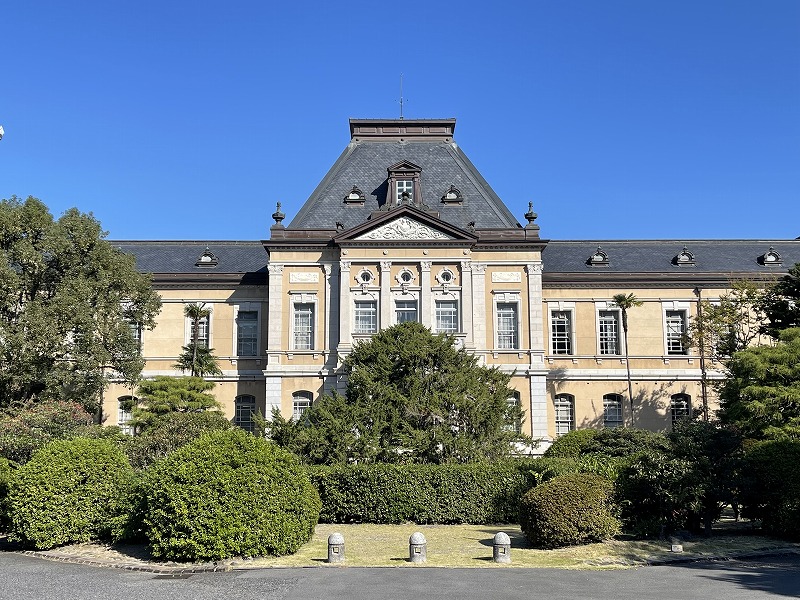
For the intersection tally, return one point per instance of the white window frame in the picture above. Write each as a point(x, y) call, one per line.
point(208, 326)
point(569, 309)
point(124, 416)
point(438, 311)
point(240, 403)
point(613, 417)
point(403, 185)
point(674, 307)
point(298, 299)
point(515, 400)
point(609, 307)
point(364, 299)
point(679, 413)
point(406, 299)
point(301, 402)
point(561, 402)
point(501, 301)
point(248, 307)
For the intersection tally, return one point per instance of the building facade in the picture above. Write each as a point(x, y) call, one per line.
point(404, 228)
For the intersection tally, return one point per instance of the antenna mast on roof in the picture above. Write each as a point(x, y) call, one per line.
point(401, 95)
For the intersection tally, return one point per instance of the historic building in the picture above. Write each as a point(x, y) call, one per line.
point(404, 228)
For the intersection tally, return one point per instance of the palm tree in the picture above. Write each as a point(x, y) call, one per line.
point(196, 311)
point(624, 302)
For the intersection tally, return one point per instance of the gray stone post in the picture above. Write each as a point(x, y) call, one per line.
point(336, 548)
point(501, 548)
point(417, 548)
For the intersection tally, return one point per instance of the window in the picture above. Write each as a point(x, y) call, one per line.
point(301, 402)
point(680, 407)
point(565, 413)
point(244, 409)
point(515, 404)
point(446, 316)
point(608, 331)
point(203, 330)
point(247, 333)
point(136, 332)
point(366, 316)
point(507, 325)
point(304, 326)
point(125, 414)
point(612, 411)
point(561, 331)
point(405, 311)
point(405, 185)
point(676, 330)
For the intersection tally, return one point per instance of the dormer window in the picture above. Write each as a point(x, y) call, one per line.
point(452, 196)
point(206, 259)
point(684, 258)
point(598, 259)
point(771, 258)
point(404, 191)
point(404, 187)
point(355, 196)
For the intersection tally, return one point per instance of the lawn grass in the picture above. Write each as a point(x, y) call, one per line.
point(471, 546)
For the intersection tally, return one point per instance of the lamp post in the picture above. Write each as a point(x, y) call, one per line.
point(699, 293)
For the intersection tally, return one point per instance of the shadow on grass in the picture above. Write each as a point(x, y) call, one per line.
point(518, 539)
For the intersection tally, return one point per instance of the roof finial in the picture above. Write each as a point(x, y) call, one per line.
point(401, 95)
point(278, 215)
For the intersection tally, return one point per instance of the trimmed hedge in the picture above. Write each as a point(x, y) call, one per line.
point(572, 444)
point(71, 491)
point(441, 494)
point(6, 474)
point(228, 494)
point(771, 487)
point(571, 509)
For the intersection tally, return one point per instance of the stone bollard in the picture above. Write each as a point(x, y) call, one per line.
point(335, 548)
point(417, 548)
point(501, 549)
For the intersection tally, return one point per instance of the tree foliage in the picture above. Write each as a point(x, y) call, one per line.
point(761, 395)
point(625, 302)
point(67, 302)
point(196, 357)
point(412, 396)
point(163, 395)
point(781, 304)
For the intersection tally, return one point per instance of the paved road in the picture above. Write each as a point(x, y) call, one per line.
point(29, 578)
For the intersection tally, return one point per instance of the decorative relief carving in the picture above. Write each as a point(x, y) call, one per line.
point(404, 229)
point(534, 267)
point(386, 265)
point(506, 277)
point(328, 270)
point(425, 265)
point(275, 269)
point(344, 265)
point(303, 277)
point(479, 268)
point(465, 265)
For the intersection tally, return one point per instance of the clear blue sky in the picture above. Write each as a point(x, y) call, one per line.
point(617, 118)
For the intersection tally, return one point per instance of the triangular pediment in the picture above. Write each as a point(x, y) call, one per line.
point(405, 224)
point(405, 166)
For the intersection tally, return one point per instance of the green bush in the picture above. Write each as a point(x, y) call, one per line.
point(571, 509)
point(626, 442)
point(170, 432)
point(384, 493)
point(28, 428)
point(771, 488)
point(227, 494)
point(71, 491)
point(572, 444)
point(6, 474)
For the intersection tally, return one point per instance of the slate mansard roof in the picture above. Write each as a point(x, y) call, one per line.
point(375, 146)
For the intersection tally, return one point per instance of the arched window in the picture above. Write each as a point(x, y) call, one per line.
point(565, 413)
point(244, 409)
point(680, 407)
point(301, 402)
point(612, 411)
point(125, 413)
point(514, 403)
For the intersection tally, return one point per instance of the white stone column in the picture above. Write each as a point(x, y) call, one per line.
point(425, 293)
point(466, 303)
point(331, 307)
point(535, 314)
point(485, 310)
point(275, 326)
point(274, 391)
point(345, 327)
point(538, 411)
point(386, 294)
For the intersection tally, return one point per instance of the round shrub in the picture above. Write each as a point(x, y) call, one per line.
point(228, 494)
point(572, 444)
point(170, 432)
point(70, 491)
point(568, 510)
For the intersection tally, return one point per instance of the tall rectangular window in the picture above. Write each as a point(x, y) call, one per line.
point(366, 316)
point(561, 331)
point(245, 408)
point(301, 402)
point(203, 332)
point(676, 330)
point(446, 316)
point(612, 411)
point(247, 333)
point(564, 405)
point(608, 328)
point(124, 415)
point(405, 311)
point(680, 407)
point(507, 324)
point(136, 331)
point(303, 326)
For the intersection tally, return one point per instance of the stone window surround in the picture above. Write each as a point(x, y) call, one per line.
point(566, 307)
point(297, 298)
point(609, 306)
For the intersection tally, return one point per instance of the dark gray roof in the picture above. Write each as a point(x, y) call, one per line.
point(656, 256)
point(181, 257)
point(364, 164)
